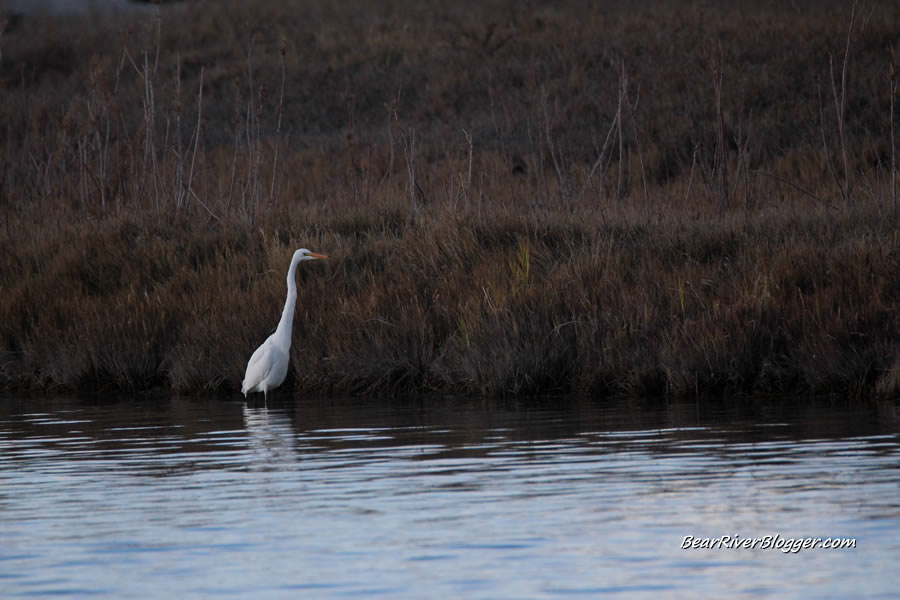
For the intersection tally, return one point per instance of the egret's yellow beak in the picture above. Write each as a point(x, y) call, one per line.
point(316, 255)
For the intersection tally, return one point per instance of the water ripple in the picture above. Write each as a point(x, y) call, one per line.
point(191, 499)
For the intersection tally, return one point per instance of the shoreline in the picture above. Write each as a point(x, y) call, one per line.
point(518, 305)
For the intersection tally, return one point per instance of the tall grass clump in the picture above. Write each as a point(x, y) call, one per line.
point(648, 199)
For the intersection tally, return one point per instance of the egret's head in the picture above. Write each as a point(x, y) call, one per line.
point(304, 254)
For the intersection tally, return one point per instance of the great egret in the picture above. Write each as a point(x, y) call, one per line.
point(269, 363)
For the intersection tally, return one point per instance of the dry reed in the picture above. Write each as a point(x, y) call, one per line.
point(506, 233)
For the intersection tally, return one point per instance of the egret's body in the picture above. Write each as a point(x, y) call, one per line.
point(269, 363)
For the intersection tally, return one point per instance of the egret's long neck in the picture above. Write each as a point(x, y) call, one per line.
point(283, 331)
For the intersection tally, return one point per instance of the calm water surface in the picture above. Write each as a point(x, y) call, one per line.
point(443, 499)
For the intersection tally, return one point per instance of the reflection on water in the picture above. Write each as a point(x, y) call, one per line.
point(323, 498)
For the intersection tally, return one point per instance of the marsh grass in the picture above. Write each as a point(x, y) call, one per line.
point(633, 200)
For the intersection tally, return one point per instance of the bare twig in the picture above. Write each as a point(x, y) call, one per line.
point(158, 19)
point(554, 152)
point(687, 192)
point(721, 148)
point(409, 152)
point(743, 162)
point(623, 85)
point(894, 83)
point(196, 140)
point(180, 189)
point(599, 161)
point(282, 51)
point(467, 184)
point(632, 109)
point(4, 23)
point(796, 187)
point(828, 161)
point(253, 184)
point(840, 107)
point(236, 122)
point(149, 132)
point(209, 211)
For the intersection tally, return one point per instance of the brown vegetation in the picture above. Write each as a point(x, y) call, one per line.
point(516, 198)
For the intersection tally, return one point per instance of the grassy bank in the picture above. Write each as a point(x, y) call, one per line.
point(619, 199)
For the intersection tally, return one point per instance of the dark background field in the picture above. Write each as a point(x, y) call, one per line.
point(596, 197)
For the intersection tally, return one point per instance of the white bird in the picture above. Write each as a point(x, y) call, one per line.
point(269, 364)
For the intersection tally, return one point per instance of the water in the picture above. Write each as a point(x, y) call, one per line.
point(443, 499)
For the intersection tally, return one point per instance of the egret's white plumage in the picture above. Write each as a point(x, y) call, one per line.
point(269, 364)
